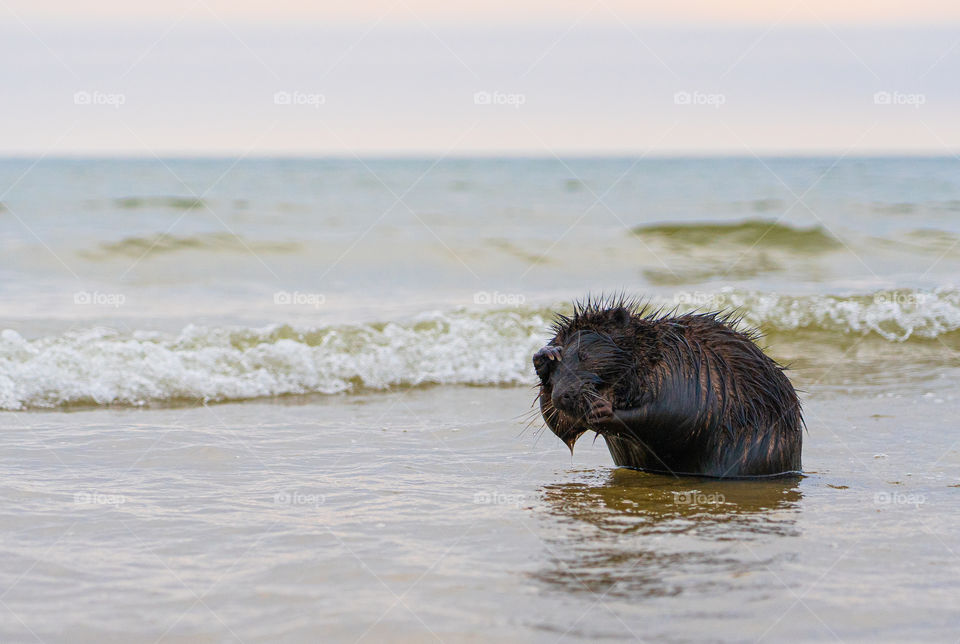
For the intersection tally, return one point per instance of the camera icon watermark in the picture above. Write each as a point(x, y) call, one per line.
point(96, 298)
point(496, 298)
point(899, 98)
point(499, 98)
point(899, 498)
point(494, 497)
point(298, 498)
point(693, 497)
point(714, 100)
point(98, 498)
point(296, 298)
point(700, 299)
point(901, 299)
point(311, 99)
point(95, 97)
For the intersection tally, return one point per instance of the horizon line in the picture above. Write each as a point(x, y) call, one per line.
point(480, 155)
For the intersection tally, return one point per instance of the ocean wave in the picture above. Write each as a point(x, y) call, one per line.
point(176, 203)
point(105, 367)
point(892, 315)
point(752, 233)
point(162, 244)
point(910, 208)
point(101, 366)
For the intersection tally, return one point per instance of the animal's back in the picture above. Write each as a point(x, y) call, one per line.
point(733, 408)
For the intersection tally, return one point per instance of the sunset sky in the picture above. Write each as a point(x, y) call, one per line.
point(423, 77)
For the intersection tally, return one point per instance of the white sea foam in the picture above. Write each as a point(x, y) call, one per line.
point(896, 315)
point(102, 366)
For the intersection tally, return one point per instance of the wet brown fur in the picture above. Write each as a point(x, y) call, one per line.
point(706, 399)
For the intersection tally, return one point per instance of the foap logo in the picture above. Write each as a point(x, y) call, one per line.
point(499, 98)
point(901, 299)
point(699, 98)
point(693, 497)
point(899, 498)
point(110, 99)
point(496, 298)
point(494, 497)
point(296, 298)
point(899, 98)
point(98, 498)
point(298, 498)
point(700, 299)
point(96, 298)
point(310, 99)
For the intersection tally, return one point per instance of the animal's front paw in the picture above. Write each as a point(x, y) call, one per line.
point(599, 412)
point(548, 352)
point(543, 358)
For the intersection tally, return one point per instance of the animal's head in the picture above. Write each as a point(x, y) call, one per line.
point(588, 363)
point(595, 359)
point(584, 368)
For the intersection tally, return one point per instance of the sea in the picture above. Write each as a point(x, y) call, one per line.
point(291, 400)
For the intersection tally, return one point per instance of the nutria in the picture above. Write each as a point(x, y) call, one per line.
point(678, 394)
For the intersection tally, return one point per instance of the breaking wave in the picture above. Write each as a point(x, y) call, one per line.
point(105, 367)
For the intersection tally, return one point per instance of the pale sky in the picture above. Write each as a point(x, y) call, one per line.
point(930, 12)
point(420, 77)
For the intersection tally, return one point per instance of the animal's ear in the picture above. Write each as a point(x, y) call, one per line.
point(621, 315)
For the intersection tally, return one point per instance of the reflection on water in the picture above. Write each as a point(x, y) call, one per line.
point(628, 533)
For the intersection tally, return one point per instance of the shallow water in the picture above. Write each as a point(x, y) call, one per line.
point(382, 517)
point(276, 402)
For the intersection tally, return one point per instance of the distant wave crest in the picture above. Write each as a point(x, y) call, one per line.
point(165, 243)
point(757, 233)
